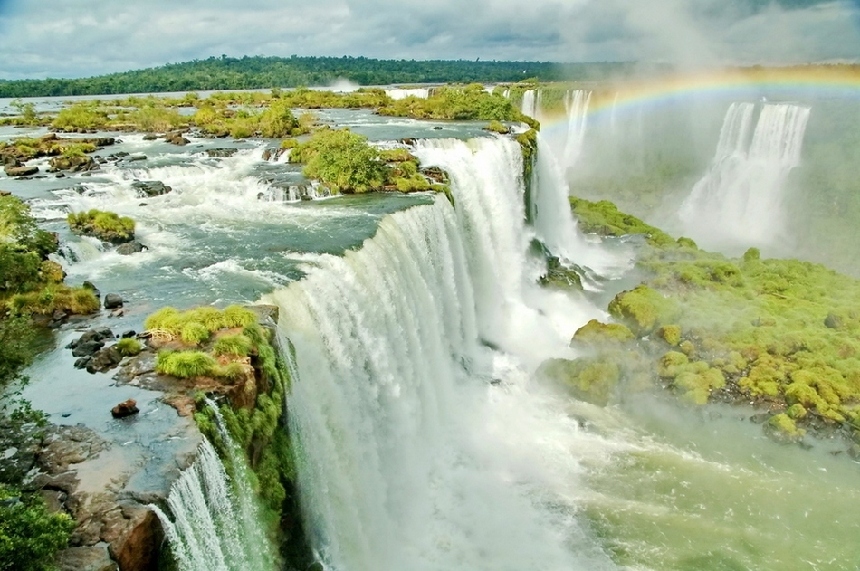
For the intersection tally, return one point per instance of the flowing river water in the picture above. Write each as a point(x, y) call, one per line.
point(423, 440)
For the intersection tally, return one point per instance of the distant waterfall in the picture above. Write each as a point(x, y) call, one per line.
point(739, 201)
point(216, 526)
point(419, 92)
point(530, 106)
point(403, 462)
point(576, 104)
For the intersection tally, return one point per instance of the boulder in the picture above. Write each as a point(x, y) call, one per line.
point(150, 188)
point(87, 348)
point(95, 334)
point(138, 546)
point(128, 334)
point(105, 360)
point(20, 171)
point(176, 138)
point(74, 164)
point(113, 301)
point(833, 321)
point(221, 152)
point(125, 409)
point(150, 137)
point(129, 248)
point(90, 286)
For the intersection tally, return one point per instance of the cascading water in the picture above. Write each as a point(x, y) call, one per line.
point(576, 104)
point(409, 456)
point(216, 526)
point(739, 201)
point(397, 94)
point(530, 105)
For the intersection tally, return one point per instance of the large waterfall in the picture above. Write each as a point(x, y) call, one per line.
point(739, 201)
point(216, 524)
point(576, 105)
point(421, 445)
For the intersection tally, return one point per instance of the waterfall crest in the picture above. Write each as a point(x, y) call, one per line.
point(404, 458)
point(739, 200)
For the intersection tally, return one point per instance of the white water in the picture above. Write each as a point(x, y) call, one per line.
point(215, 526)
point(576, 104)
point(739, 201)
point(397, 94)
point(409, 458)
point(530, 104)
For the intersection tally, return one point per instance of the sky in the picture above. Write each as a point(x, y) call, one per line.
point(81, 38)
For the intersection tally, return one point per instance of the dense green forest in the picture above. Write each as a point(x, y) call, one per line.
point(268, 72)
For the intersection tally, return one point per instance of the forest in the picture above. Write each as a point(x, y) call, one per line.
point(266, 72)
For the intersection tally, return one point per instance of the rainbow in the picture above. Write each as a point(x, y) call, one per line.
point(794, 83)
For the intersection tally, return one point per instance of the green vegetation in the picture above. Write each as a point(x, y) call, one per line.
point(778, 333)
point(185, 364)
point(232, 345)
point(456, 102)
point(173, 322)
point(273, 72)
point(129, 347)
point(30, 536)
point(341, 160)
point(52, 298)
point(106, 226)
point(81, 117)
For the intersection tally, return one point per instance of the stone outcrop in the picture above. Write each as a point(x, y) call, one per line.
point(150, 188)
point(130, 248)
point(15, 171)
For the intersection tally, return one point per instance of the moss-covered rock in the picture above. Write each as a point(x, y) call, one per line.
point(589, 380)
point(106, 226)
point(597, 333)
point(643, 308)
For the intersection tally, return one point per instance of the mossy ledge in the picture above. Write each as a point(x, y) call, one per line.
point(232, 358)
point(781, 335)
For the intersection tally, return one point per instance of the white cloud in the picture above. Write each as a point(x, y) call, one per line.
point(88, 37)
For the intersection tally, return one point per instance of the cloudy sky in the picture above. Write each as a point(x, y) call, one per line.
point(76, 38)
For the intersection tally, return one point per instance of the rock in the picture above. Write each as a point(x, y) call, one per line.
point(59, 315)
point(138, 546)
point(117, 156)
point(408, 141)
point(87, 348)
point(833, 321)
point(117, 313)
point(95, 334)
point(150, 188)
point(135, 158)
point(82, 362)
point(128, 334)
point(150, 137)
point(222, 152)
point(124, 409)
point(113, 301)
point(105, 360)
point(53, 500)
point(267, 154)
point(89, 285)
point(176, 138)
point(265, 312)
point(94, 558)
point(130, 248)
point(760, 418)
point(74, 164)
point(5, 193)
point(20, 171)
point(19, 446)
point(435, 174)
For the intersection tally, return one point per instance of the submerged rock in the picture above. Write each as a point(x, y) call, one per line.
point(14, 171)
point(125, 409)
point(221, 152)
point(130, 248)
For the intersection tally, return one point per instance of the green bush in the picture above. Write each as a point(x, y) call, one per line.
point(84, 116)
point(341, 160)
point(106, 226)
point(185, 364)
point(232, 345)
point(30, 536)
point(194, 333)
point(77, 301)
point(129, 347)
point(238, 316)
point(17, 335)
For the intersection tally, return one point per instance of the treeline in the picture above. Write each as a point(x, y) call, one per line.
point(268, 72)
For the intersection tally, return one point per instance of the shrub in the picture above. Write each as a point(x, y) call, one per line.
point(497, 127)
point(106, 226)
point(232, 345)
point(16, 346)
point(78, 301)
point(30, 536)
point(129, 347)
point(342, 160)
point(80, 117)
point(238, 316)
point(232, 371)
point(194, 333)
point(185, 364)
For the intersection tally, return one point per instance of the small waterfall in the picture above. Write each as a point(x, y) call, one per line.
point(397, 94)
point(216, 526)
point(613, 115)
point(530, 103)
point(739, 201)
point(407, 456)
point(576, 104)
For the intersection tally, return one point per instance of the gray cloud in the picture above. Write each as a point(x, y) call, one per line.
point(69, 38)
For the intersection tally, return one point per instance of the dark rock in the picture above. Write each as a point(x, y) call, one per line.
point(408, 141)
point(82, 362)
point(87, 348)
point(760, 418)
point(59, 315)
point(135, 158)
point(150, 137)
point(150, 188)
point(222, 152)
point(124, 409)
point(130, 248)
point(105, 360)
point(119, 155)
point(265, 312)
point(59, 175)
point(74, 164)
point(5, 193)
point(267, 154)
point(89, 285)
point(435, 174)
point(53, 500)
point(176, 139)
point(139, 542)
point(113, 301)
point(21, 171)
point(128, 334)
point(833, 321)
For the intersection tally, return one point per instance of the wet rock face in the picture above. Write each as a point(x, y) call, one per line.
point(125, 409)
point(221, 152)
point(146, 188)
point(14, 171)
point(18, 449)
point(130, 248)
point(113, 301)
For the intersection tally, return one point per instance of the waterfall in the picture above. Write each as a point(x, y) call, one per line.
point(530, 103)
point(396, 94)
point(739, 201)
point(216, 526)
point(576, 104)
point(409, 454)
